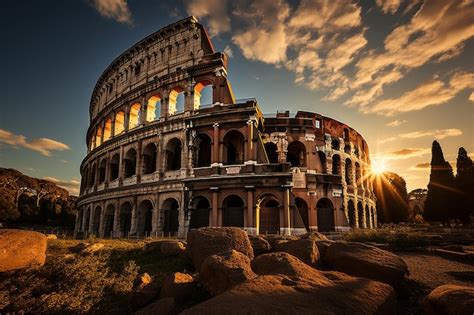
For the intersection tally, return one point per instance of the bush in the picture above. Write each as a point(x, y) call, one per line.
point(399, 238)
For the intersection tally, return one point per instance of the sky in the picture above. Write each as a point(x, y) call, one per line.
point(399, 71)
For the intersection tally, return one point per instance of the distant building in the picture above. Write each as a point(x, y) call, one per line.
point(160, 162)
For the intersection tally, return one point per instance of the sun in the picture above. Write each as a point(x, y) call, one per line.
point(378, 166)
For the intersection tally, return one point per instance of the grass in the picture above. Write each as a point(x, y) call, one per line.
point(71, 283)
point(399, 238)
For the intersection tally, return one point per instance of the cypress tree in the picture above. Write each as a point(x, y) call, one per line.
point(465, 186)
point(439, 204)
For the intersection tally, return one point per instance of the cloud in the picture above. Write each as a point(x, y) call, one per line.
point(388, 6)
point(421, 167)
point(471, 97)
point(228, 51)
point(396, 123)
point(214, 12)
point(437, 134)
point(41, 145)
point(403, 154)
point(71, 185)
point(114, 9)
point(430, 93)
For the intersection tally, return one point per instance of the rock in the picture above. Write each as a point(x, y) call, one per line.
point(143, 295)
point(272, 240)
point(454, 248)
point(205, 242)
point(171, 248)
point(318, 294)
point(223, 271)
point(450, 300)
point(303, 249)
point(162, 307)
point(281, 263)
point(21, 249)
point(142, 280)
point(51, 237)
point(260, 245)
point(90, 249)
point(178, 286)
point(322, 247)
point(79, 247)
point(363, 260)
point(315, 236)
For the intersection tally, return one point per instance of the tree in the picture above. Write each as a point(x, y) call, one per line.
point(392, 198)
point(465, 187)
point(439, 205)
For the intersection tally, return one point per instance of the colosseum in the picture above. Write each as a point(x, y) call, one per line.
point(161, 160)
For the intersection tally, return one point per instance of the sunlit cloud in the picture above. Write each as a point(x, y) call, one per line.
point(396, 123)
point(402, 154)
point(71, 185)
point(471, 97)
point(389, 6)
point(213, 12)
point(436, 134)
point(114, 9)
point(41, 145)
point(421, 167)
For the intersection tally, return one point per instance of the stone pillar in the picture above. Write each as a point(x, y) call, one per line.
point(78, 224)
point(250, 222)
point(286, 230)
point(102, 220)
point(126, 119)
point(215, 144)
point(312, 214)
point(249, 156)
point(164, 107)
point(116, 230)
point(215, 207)
point(91, 220)
point(134, 223)
point(182, 230)
point(138, 166)
point(84, 220)
point(112, 126)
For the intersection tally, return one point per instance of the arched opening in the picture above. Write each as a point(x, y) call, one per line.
point(347, 149)
point(109, 220)
point(325, 215)
point(125, 218)
point(335, 144)
point(102, 168)
point(234, 142)
point(149, 159)
point(360, 214)
point(300, 218)
point(296, 155)
point(322, 160)
point(200, 213)
point(203, 93)
point(144, 219)
point(176, 101)
point(170, 216)
point(358, 174)
point(87, 217)
point(92, 175)
point(351, 213)
point(173, 155)
point(130, 163)
point(204, 149)
point(346, 134)
point(272, 154)
point(233, 211)
point(367, 217)
point(153, 108)
point(336, 164)
point(79, 215)
point(96, 222)
point(114, 166)
point(98, 136)
point(348, 172)
point(134, 118)
point(108, 129)
point(270, 216)
point(119, 123)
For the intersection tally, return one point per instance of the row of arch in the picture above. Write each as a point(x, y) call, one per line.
point(360, 217)
point(138, 114)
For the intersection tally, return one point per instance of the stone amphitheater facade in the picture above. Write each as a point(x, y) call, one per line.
point(161, 163)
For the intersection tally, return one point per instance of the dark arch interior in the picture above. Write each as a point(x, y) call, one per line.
point(322, 159)
point(234, 147)
point(200, 213)
point(145, 215)
point(296, 155)
point(271, 149)
point(270, 216)
point(233, 208)
point(360, 213)
point(109, 220)
point(173, 155)
point(125, 218)
point(325, 215)
point(102, 169)
point(204, 148)
point(130, 163)
point(114, 166)
point(336, 165)
point(335, 145)
point(96, 223)
point(149, 159)
point(300, 217)
point(171, 216)
point(351, 213)
point(348, 172)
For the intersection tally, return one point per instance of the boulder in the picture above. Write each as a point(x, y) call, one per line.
point(260, 245)
point(303, 249)
point(322, 247)
point(315, 236)
point(143, 295)
point(90, 249)
point(281, 263)
point(363, 260)
point(142, 280)
point(162, 306)
point(179, 286)
point(205, 242)
point(450, 300)
point(272, 240)
point(171, 248)
point(223, 271)
point(21, 249)
point(316, 294)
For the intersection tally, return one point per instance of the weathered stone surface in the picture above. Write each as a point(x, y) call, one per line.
point(205, 242)
point(21, 249)
point(172, 248)
point(260, 245)
point(272, 240)
point(363, 260)
point(280, 263)
point(90, 249)
point(303, 249)
point(315, 236)
point(450, 300)
point(322, 247)
point(143, 295)
point(162, 307)
point(142, 280)
point(320, 293)
point(178, 286)
point(223, 271)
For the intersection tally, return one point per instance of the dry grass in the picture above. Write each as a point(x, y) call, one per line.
point(399, 238)
point(71, 283)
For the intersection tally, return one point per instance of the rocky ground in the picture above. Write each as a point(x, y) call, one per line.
point(222, 270)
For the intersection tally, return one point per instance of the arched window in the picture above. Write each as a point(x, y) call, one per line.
point(325, 215)
point(296, 155)
point(171, 216)
point(114, 166)
point(109, 220)
point(322, 160)
point(347, 148)
point(234, 147)
point(153, 108)
point(336, 164)
point(346, 134)
point(98, 137)
point(92, 175)
point(270, 216)
point(361, 215)
point(358, 174)
point(300, 217)
point(348, 172)
point(102, 168)
point(351, 212)
point(203, 93)
point(134, 120)
point(204, 149)
point(149, 159)
point(335, 145)
point(130, 163)
point(108, 129)
point(272, 154)
point(200, 213)
point(96, 220)
point(233, 208)
point(176, 101)
point(173, 154)
point(125, 217)
point(145, 215)
point(119, 123)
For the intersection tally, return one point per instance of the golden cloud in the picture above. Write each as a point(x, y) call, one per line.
point(71, 185)
point(41, 145)
point(114, 9)
point(437, 134)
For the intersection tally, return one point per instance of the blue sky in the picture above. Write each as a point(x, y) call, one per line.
point(400, 72)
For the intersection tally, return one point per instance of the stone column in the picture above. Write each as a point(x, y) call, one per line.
point(250, 222)
point(116, 230)
point(84, 219)
point(286, 230)
point(249, 156)
point(134, 223)
point(164, 107)
point(215, 207)
point(102, 220)
point(215, 144)
point(91, 219)
point(138, 166)
point(112, 126)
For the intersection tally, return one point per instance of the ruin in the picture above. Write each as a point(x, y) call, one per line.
point(161, 160)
